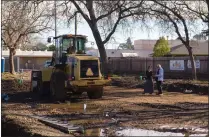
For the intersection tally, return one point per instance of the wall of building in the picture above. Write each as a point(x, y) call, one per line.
point(32, 62)
point(37, 59)
point(35, 62)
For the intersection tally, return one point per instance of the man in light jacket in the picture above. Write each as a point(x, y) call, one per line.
point(159, 78)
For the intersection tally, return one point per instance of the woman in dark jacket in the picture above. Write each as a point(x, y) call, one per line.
point(149, 86)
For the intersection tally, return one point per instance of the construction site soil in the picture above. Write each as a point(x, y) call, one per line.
point(124, 103)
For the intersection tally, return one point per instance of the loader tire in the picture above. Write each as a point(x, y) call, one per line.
point(95, 93)
point(57, 86)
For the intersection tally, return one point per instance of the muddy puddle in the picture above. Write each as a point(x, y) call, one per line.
point(102, 125)
point(74, 107)
point(95, 122)
point(143, 132)
point(134, 132)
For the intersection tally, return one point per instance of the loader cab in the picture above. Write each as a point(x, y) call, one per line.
point(68, 44)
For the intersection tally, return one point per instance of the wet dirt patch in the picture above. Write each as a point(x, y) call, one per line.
point(127, 110)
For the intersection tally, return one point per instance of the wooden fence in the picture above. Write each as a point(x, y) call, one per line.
point(139, 65)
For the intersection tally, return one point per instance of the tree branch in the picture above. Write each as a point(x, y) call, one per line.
point(80, 10)
point(113, 30)
point(109, 12)
point(120, 17)
point(200, 14)
point(89, 6)
point(174, 24)
point(177, 15)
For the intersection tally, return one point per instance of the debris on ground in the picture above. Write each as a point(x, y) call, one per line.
point(128, 82)
point(64, 126)
point(120, 107)
point(123, 105)
point(15, 82)
point(184, 86)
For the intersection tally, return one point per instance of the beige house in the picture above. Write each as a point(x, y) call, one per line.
point(146, 44)
point(198, 48)
point(27, 59)
point(112, 53)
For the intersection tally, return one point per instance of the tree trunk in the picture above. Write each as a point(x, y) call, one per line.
point(101, 47)
point(194, 74)
point(104, 60)
point(11, 60)
point(92, 21)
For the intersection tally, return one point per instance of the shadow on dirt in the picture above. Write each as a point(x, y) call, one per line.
point(10, 128)
point(23, 97)
point(32, 97)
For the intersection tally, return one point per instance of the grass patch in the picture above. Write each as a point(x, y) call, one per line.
point(9, 76)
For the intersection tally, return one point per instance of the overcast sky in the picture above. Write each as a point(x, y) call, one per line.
point(120, 36)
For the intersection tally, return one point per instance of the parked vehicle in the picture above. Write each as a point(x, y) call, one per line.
point(72, 71)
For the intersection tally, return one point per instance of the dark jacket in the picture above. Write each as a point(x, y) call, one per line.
point(149, 75)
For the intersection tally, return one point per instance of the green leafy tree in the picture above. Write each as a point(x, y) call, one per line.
point(161, 47)
point(51, 48)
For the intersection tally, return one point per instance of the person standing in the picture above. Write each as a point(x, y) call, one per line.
point(149, 86)
point(159, 78)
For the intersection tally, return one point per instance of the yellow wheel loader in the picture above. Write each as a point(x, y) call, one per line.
point(71, 70)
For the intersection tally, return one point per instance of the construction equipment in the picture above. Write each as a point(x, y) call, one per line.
point(71, 70)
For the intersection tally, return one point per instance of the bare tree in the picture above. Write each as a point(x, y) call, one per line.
point(199, 8)
point(20, 19)
point(173, 15)
point(128, 45)
point(104, 17)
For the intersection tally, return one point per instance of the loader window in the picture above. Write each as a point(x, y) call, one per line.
point(80, 46)
point(67, 43)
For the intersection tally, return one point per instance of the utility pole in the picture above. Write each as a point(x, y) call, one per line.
point(55, 30)
point(75, 44)
point(55, 19)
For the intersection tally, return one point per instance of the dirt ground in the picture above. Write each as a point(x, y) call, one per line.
point(140, 111)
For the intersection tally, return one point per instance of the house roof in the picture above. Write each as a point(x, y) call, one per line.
point(119, 52)
point(149, 44)
point(199, 48)
point(20, 53)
